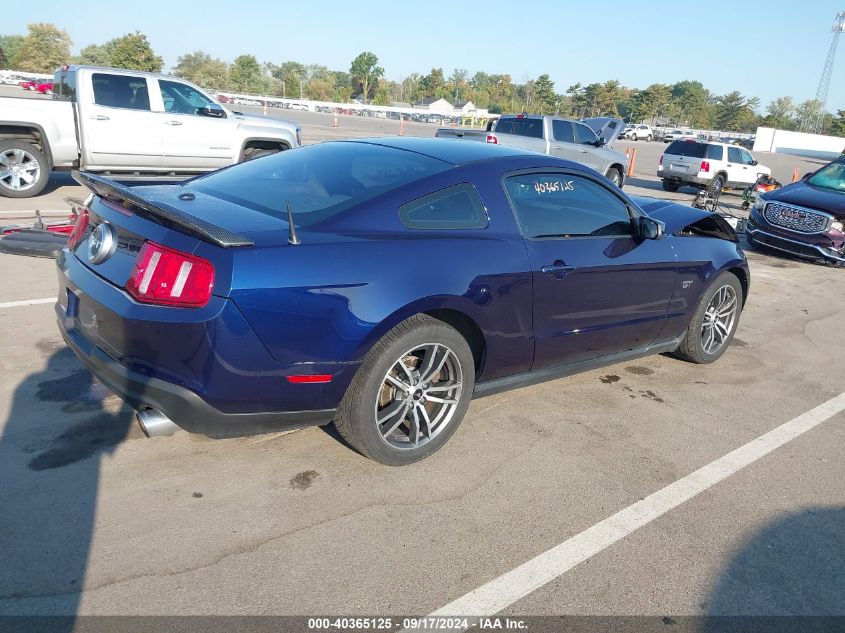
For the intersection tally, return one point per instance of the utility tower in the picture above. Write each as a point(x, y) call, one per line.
point(814, 124)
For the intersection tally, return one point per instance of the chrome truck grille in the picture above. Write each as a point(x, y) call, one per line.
point(796, 218)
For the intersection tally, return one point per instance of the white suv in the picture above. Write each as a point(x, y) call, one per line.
point(640, 132)
point(708, 165)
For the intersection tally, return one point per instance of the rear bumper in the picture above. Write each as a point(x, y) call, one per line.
point(181, 405)
point(679, 176)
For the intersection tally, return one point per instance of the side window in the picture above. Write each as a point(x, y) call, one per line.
point(121, 91)
point(456, 207)
point(562, 205)
point(747, 158)
point(714, 152)
point(734, 155)
point(181, 98)
point(562, 131)
point(584, 135)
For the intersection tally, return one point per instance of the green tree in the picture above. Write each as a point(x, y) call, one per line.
point(366, 71)
point(734, 110)
point(133, 51)
point(837, 124)
point(10, 45)
point(203, 70)
point(432, 84)
point(44, 49)
point(544, 91)
point(245, 75)
point(781, 113)
point(292, 76)
point(690, 100)
point(97, 54)
point(807, 112)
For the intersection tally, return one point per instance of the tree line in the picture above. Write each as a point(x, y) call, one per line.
point(46, 47)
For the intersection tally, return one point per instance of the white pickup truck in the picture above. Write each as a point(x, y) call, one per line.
point(126, 124)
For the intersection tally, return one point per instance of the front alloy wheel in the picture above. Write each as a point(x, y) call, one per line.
point(719, 318)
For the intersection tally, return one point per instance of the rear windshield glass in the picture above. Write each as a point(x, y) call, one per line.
point(522, 127)
point(685, 148)
point(319, 181)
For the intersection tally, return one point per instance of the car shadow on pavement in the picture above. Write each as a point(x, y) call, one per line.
point(792, 567)
point(57, 432)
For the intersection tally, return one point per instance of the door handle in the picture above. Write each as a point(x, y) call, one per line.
point(555, 146)
point(99, 117)
point(173, 123)
point(558, 269)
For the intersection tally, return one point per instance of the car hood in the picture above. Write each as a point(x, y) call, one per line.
point(805, 195)
point(606, 128)
point(679, 218)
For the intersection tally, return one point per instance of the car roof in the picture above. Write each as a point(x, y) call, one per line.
point(453, 151)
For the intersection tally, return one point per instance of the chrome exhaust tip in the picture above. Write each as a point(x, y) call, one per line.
point(154, 423)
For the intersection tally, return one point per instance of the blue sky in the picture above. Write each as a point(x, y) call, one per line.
point(765, 49)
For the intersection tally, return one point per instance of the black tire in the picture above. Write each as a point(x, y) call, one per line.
point(649, 138)
point(670, 185)
point(34, 158)
point(356, 416)
point(716, 185)
point(692, 347)
point(614, 175)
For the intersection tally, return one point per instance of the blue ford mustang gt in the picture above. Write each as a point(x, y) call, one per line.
point(380, 285)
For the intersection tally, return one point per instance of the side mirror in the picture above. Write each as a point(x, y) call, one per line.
point(213, 109)
point(651, 229)
point(753, 162)
point(600, 142)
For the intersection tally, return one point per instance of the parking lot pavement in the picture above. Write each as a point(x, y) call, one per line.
point(99, 520)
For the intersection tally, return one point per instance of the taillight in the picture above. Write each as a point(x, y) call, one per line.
point(705, 166)
point(491, 138)
point(165, 276)
point(78, 231)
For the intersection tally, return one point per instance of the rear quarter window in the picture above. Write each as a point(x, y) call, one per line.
point(456, 207)
point(715, 152)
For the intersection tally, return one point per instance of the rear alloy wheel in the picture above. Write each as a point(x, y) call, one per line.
point(24, 170)
point(615, 176)
point(716, 185)
point(715, 320)
point(410, 393)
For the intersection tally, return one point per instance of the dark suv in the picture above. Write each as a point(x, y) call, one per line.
point(805, 218)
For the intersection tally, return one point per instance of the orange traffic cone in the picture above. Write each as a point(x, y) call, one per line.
point(334, 121)
point(795, 174)
point(633, 162)
point(401, 126)
point(628, 153)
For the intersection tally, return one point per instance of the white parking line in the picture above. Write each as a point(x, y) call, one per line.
point(26, 302)
point(505, 590)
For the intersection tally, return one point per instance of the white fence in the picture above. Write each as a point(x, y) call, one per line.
point(798, 143)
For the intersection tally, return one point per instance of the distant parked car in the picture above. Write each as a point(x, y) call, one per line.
point(675, 135)
point(805, 218)
point(45, 88)
point(625, 131)
point(640, 132)
point(28, 85)
point(708, 165)
point(298, 106)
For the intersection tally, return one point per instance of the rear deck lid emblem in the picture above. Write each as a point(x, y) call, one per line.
point(102, 243)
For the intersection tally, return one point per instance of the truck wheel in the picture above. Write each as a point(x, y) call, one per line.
point(670, 185)
point(410, 393)
point(24, 170)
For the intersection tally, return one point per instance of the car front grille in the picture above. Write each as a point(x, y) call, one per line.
point(795, 218)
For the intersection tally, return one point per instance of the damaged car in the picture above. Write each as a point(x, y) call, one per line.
point(804, 219)
point(381, 285)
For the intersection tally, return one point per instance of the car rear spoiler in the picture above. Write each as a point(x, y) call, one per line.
point(160, 212)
